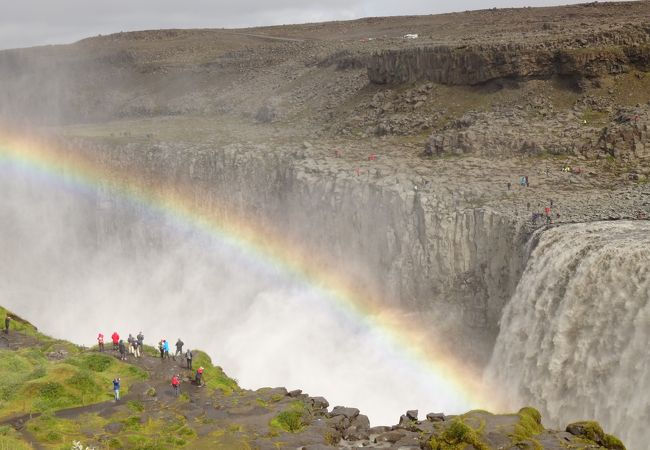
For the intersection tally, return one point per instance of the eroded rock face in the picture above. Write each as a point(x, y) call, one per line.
point(418, 250)
point(511, 133)
point(601, 54)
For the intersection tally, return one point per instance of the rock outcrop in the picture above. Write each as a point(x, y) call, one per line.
point(477, 64)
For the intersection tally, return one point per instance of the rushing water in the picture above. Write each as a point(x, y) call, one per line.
point(574, 338)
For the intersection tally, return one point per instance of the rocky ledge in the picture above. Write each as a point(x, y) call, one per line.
point(57, 397)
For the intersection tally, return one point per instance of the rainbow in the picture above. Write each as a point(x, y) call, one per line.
point(36, 156)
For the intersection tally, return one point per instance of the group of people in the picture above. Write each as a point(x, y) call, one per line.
point(134, 346)
point(163, 348)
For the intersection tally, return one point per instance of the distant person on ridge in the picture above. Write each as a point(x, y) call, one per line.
point(161, 348)
point(131, 341)
point(7, 322)
point(188, 357)
point(199, 377)
point(179, 348)
point(116, 388)
point(122, 348)
point(140, 339)
point(100, 342)
point(116, 340)
point(166, 347)
point(176, 383)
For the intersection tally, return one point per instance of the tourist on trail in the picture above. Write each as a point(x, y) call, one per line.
point(179, 348)
point(122, 348)
point(188, 357)
point(166, 347)
point(100, 342)
point(116, 388)
point(131, 341)
point(176, 384)
point(199, 377)
point(116, 340)
point(140, 342)
point(7, 322)
point(161, 348)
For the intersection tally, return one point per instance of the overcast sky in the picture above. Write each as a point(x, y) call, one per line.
point(25, 23)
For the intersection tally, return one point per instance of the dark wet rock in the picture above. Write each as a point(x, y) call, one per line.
point(295, 393)
point(378, 430)
point(390, 436)
point(436, 417)
point(319, 403)
point(344, 411)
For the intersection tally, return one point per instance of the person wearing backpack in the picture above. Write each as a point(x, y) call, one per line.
point(140, 339)
point(176, 384)
point(116, 340)
point(199, 377)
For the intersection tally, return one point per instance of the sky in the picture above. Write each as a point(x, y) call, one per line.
point(26, 23)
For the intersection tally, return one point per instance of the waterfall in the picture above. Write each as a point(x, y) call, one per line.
point(574, 339)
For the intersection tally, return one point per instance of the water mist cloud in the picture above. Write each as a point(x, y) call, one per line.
point(79, 262)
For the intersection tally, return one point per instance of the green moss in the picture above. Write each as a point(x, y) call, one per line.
point(291, 420)
point(456, 437)
point(528, 426)
point(213, 376)
point(589, 430)
point(135, 406)
point(10, 439)
point(613, 443)
point(97, 362)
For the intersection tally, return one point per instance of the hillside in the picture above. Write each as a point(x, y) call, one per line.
point(55, 394)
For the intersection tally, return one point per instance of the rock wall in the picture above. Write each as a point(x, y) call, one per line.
point(477, 64)
point(426, 252)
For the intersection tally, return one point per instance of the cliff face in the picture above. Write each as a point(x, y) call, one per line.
point(420, 249)
point(476, 64)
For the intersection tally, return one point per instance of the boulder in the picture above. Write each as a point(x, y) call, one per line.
point(348, 413)
point(319, 403)
point(390, 436)
point(436, 417)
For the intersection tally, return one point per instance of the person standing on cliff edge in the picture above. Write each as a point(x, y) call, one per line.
point(7, 322)
point(100, 342)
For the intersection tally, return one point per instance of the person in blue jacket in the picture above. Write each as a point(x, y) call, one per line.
point(116, 388)
point(166, 347)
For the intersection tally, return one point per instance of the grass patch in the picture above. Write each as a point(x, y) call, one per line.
point(11, 440)
point(29, 382)
point(593, 117)
point(613, 443)
point(213, 376)
point(292, 420)
point(456, 437)
point(529, 425)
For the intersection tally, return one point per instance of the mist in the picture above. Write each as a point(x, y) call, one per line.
point(77, 262)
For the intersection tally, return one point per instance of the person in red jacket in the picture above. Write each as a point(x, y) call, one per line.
point(199, 377)
point(176, 384)
point(116, 340)
point(100, 341)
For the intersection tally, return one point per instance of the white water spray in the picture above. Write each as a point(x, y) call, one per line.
point(574, 338)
